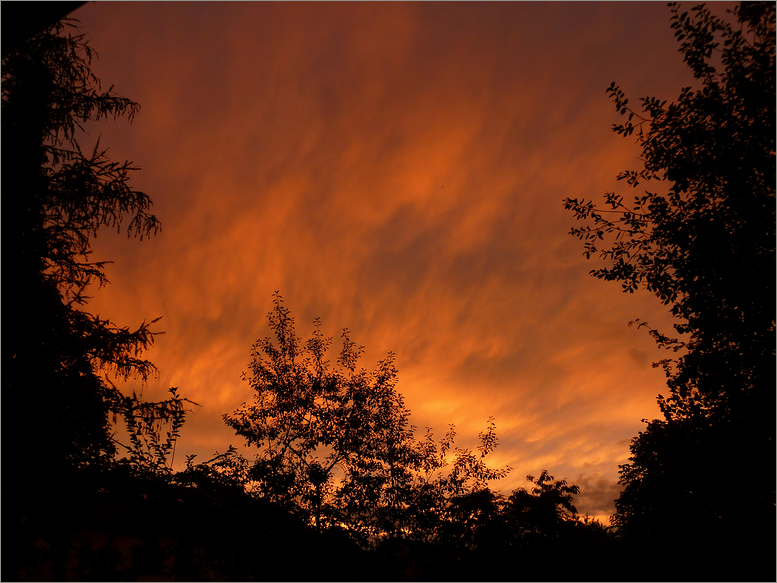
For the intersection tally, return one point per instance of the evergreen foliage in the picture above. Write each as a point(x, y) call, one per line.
point(57, 357)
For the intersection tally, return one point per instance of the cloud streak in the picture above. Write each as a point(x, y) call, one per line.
point(397, 169)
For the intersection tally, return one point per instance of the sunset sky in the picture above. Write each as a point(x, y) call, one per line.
point(397, 169)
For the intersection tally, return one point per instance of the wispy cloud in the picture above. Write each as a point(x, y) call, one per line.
point(397, 169)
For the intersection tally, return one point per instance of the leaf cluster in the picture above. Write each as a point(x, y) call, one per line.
point(50, 96)
point(335, 445)
point(701, 239)
point(58, 197)
point(154, 429)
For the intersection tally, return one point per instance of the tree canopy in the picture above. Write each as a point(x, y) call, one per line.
point(334, 447)
point(701, 238)
point(308, 419)
point(58, 359)
point(334, 442)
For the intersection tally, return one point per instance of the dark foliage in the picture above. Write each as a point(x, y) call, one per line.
point(126, 527)
point(309, 420)
point(702, 239)
point(58, 359)
point(532, 535)
point(422, 509)
point(334, 443)
point(57, 356)
point(22, 20)
point(121, 526)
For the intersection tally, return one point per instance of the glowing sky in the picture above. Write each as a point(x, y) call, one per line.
point(398, 169)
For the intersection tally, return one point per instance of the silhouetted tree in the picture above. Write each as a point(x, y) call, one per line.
point(544, 508)
point(702, 239)
point(441, 492)
point(308, 420)
point(533, 534)
point(334, 442)
point(468, 518)
point(58, 360)
point(56, 391)
point(22, 20)
point(538, 533)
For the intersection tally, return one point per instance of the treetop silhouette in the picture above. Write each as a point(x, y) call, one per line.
point(334, 441)
point(701, 238)
point(58, 361)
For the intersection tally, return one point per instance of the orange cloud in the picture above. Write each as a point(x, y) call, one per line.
point(397, 169)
